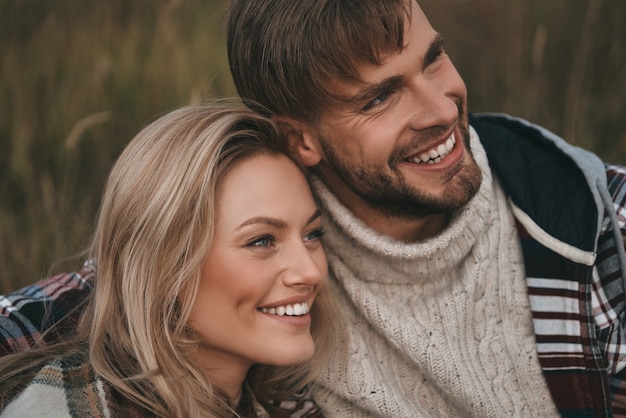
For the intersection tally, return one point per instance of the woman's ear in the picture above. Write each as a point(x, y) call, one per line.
point(302, 144)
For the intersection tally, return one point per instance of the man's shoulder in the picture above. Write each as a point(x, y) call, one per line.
point(27, 313)
point(501, 129)
point(555, 184)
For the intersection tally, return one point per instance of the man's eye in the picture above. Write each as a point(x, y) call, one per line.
point(434, 56)
point(380, 99)
point(264, 241)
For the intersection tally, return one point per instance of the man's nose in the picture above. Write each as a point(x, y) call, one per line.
point(432, 103)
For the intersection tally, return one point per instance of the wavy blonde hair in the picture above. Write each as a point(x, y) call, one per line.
point(155, 227)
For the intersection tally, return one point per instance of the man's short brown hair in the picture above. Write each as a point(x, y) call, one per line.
point(284, 54)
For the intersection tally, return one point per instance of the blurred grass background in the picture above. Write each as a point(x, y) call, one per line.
point(79, 79)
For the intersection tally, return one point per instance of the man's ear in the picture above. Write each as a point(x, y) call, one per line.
point(302, 143)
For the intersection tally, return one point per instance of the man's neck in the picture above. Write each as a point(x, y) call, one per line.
point(395, 227)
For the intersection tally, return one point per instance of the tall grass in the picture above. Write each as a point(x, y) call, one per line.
point(559, 63)
point(79, 79)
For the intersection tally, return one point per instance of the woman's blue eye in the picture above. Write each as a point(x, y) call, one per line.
point(264, 241)
point(314, 235)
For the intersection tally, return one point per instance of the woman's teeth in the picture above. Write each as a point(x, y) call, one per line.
point(436, 154)
point(296, 309)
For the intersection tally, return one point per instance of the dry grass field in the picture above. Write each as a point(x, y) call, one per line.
point(79, 79)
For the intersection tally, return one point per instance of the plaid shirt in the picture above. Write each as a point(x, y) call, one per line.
point(573, 246)
point(576, 291)
point(579, 324)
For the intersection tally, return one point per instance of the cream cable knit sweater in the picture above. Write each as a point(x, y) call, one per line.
point(439, 328)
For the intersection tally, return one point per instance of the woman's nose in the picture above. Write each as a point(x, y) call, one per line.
point(307, 267)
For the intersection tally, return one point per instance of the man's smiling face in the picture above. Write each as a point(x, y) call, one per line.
point(398, 144)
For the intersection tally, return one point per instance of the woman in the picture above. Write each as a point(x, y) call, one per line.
point(208, 262)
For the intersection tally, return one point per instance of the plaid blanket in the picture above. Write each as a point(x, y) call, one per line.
point(26, 313)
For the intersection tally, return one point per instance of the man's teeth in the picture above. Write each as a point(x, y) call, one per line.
point(436, 154)
point(296, 309)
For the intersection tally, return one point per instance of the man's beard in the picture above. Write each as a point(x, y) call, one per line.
point(392, 196)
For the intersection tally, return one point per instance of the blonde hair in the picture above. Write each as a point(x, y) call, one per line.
point(155, 227)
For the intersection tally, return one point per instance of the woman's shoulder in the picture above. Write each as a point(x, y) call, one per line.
point(63, 387)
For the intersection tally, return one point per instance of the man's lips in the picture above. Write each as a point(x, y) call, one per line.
point(435, 154)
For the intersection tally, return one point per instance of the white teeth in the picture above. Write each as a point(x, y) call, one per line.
point(450, 144)
point(437, 154)
point(297, 309)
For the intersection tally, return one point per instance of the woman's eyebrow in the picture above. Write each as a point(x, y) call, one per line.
point(315, 215)
point(277, 223)
point(262, 220)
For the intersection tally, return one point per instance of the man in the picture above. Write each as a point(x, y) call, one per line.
point(479, 268)
point(477, 260)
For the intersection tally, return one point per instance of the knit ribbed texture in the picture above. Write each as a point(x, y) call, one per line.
point(439, 328)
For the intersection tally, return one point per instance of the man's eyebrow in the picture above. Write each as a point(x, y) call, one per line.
point(435, 48)
point(371, 91)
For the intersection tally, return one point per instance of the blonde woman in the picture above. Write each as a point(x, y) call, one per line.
point(208, 297)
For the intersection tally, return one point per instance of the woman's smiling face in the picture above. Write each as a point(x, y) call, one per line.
point(263, 271)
